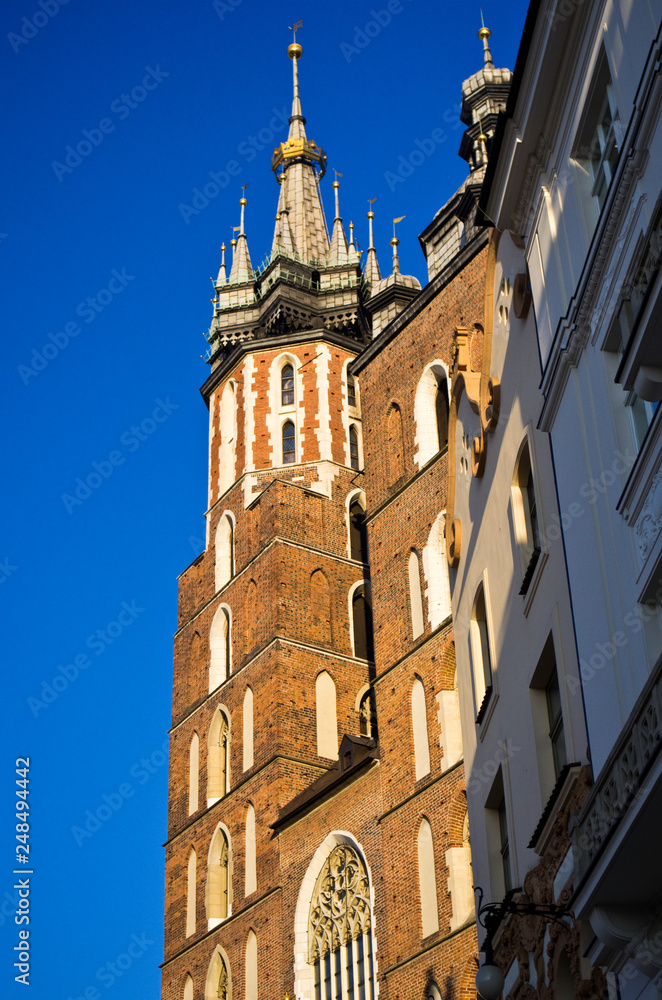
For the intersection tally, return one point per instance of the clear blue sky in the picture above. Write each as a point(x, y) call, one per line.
point(88, 584)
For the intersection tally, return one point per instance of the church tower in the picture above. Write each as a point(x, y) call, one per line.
point(317, 844)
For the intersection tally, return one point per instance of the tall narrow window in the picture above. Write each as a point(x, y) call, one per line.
point(219, 982)
point(431, 404)
point(251, 967)
point(218, 757)
point(325, 711)
point(362, 625)
point(525, 516)
point(460, 879)
point(228, 429)
point(289, 443)
point(193, 773)
point(188, 988)
point(367, 718)
point(504, 846)
point(218, 879)
point(340, 929)
point(415, 596)
point(320, 608)
point(191, 893)
point(358, 537)
point(480, 654)
point(248, 729)
point(427, 881)
point(353, 447)
point(287, 385)
point(224, 544)
point(219, 648)
point(351, 391)
point(396, 449)
point(556, 733)
point(598, 141)
point(419, 725)
point(251, 863)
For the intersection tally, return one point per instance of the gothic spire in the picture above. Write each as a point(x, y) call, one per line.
point(222, 276)
point(299, 163)
point(372, 272)
point(242, 269)
point(338, 253)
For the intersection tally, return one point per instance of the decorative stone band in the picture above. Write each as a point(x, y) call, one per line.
point(622, 780)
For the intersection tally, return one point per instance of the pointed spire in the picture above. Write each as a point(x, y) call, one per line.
point(242, 269)
point(372, 272)
point(283, 235)
point(299, 163)
point(338, 252)
point(484, 34)
point(222, 276)
point(395, 242)
point(352, 249)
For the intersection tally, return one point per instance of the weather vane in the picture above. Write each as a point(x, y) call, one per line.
point(395, 221)
point(294, 28)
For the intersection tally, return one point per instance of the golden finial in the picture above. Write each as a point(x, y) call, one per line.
point(233, 243)
point(294, 50)
point(484, 34)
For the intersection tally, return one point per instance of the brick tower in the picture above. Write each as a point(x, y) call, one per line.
point(298, 861)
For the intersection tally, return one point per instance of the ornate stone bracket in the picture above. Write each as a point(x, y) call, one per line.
point(483, 393)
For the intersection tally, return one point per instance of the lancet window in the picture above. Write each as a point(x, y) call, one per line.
point(339, 929)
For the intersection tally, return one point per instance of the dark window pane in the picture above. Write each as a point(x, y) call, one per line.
point(287, 386)
point(351, 390)
point(289, 449)
point(353, 448)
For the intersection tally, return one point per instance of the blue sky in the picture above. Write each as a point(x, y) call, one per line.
point(106, 259)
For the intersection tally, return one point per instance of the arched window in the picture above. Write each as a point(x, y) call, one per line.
point(367, 719)
point(219, 896)
point(525, 515)
point(396, 447)
point(224, 550)
point(287, 385)
point(358, 536)
point(250, 991)
point(481, 656)
point(251, 615)
point(219, 647)
point(289, 443)
point(193, 773)
point(431, 404)
point(320, 608)
point(415, 596)
point(219, 981)
point(325, 712)
point(427, 881)
point(218, 758)
point(247, 722)
point(362, 625)
point(353, 447)
point(191, 893)
point(250, 881)
point(188, 988)
point(460, 878)
point(351, 390)
point(340, 928)
point(419, 725)
point(435, 569)
point(228, 421)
